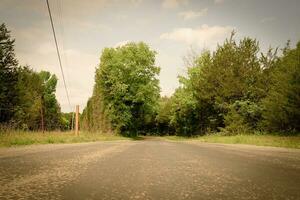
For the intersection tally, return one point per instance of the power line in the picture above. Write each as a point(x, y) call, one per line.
point(63, 39)
point(60, 20)
point(58, 54)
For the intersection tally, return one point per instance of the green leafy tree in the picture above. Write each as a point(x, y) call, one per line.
point(163, 117)
point(66, 121)
point(222, 86)
point(185, 113)
point(195, 84)
point(127, 88)
point(282, 104)
point(37, 102)
point(8, 75)
point(50, 108)
point(93, 116)
point(244, 116)
point(28, 109)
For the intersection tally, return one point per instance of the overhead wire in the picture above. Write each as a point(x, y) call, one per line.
point(59, 5)
point(64, 54)
point(59, 55)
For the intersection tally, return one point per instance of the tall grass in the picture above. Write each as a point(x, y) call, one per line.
point(259, 140)
point(14, 138)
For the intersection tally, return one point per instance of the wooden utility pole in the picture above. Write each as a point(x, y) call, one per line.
point(77, 120)
point(42, 114)
point(42, 119)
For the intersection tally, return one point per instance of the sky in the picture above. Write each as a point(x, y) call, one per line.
point(170, 27)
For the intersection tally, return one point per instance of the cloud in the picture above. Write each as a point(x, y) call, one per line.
point(187, 15)
point(204, 36)
point(72, 10)
point(267, 19)
point(84, 9)
point(120, 17)
point(173, 3)
point(143, 21)
point(136, 2)
point(219, 1)
point(86, 26)
point(27, 40)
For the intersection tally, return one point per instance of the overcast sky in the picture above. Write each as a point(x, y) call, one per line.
point(170, 27)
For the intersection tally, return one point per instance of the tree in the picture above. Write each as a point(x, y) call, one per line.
point(66, 120)
point(27, 98)
point(222, 89)
point(163, 117)
point(94, 117)
point(194, 84)
point(185, 113)
point(50, 109)
point(282, 104)
point(127, 83)
point(37, 105)
point(243, 116)
point(8, 75)
point(29, 87)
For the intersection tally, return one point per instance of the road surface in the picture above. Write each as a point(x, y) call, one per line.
point(149, 169)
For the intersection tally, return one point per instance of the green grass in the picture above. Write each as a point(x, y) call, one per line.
point(16, 138)
point(259, 140)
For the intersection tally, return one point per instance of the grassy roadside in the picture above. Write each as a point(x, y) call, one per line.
point(259, 140)
point(16, 138)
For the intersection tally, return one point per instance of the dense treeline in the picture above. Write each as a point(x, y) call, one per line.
point(27, 98)
point(234, 89)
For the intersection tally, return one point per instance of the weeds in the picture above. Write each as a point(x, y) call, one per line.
point(253, 139)
point(15, 138)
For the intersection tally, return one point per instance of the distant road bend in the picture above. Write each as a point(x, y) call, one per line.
point(149, 169)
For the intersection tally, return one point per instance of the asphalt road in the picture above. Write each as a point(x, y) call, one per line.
point(149, 169)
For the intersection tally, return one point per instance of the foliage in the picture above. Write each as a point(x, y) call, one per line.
point(28, 109)
point(67, 120)
point(8, 75)
point(93, 116)
point(225, 90)
point(26, 97)
point(282, 104)
point(127, 87)
point(243, 117)
point(50, 106)
point(215, 81)
point(163, 117)
point(36, 101)
point(234, 89)
point(184, 113)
